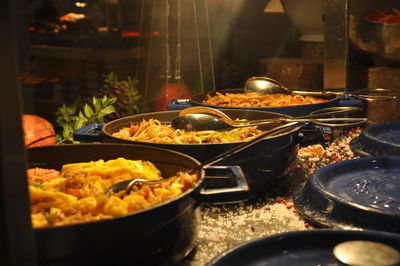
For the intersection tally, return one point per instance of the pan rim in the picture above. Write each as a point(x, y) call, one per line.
point(105, 129)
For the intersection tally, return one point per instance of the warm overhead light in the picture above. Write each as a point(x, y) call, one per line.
point(80, 4)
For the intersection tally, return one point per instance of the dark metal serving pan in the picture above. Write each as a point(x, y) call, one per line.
point(295, 110)
point(160, 235)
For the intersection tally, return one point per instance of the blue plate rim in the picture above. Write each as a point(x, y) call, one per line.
point(314, 181)
point(368, 145)
point(368, 132)
point(295, 234)
point(320, 210)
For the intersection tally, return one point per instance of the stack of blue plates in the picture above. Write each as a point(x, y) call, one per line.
point(354, 194)
point(378, 140)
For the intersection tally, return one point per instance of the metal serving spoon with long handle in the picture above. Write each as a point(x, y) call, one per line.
point(201, 122)
point(205, 121)
point(320, 113)
point(268, 85)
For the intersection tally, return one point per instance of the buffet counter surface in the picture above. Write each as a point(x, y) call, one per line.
point(223, 227)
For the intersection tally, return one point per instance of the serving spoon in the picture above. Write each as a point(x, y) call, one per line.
point(364, 252)
point(224, 117)
point(268, 85)
point(205, 119)
point(200, 122)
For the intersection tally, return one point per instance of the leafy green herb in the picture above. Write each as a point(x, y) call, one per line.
point(71, 118)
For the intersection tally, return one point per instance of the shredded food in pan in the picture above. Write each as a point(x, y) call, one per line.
point(254, 99)
point(387, 15)
point(76, 193)
point(153, 130)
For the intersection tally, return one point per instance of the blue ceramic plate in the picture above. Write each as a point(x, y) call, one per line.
point(312, 247)
point(378, 140)
point(355, 194)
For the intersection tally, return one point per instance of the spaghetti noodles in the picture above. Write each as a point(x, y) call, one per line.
point(254, 99)
point(154, 131)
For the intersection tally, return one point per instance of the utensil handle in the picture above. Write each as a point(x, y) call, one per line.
point(332, 122)
point(247, 144)
point(338, 122)
point(336, 110)
point(87, 133)
point(377, 97)
point(321, 113)
point(359, 95)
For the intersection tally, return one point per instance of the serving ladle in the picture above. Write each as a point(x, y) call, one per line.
point(266, 85)
point(205, 119)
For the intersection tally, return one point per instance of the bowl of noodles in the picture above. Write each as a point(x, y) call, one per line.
point(266, 164)
point(76, 223)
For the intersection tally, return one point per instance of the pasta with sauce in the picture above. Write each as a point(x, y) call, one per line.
point(76, 193)
point(254, 99)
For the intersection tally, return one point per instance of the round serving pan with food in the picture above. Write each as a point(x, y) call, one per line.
point(292, 110)
point(161, 234)
point(266, 164)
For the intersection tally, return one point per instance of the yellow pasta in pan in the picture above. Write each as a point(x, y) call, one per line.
point(76, 193)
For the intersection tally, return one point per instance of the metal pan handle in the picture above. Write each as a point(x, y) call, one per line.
point(179, 104)
point(223, 184)
point(88, 133)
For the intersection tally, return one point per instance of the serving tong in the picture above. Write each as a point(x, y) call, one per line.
point(205, 118)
